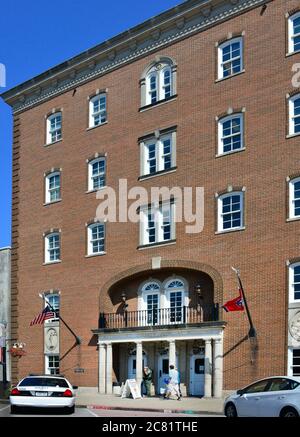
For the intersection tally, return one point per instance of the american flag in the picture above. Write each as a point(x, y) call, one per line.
point(44, 315)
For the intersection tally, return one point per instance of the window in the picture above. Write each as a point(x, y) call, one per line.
point(52, 247)
point(199, 366)
point(177, 298)
point(158, 154)
point(230, 211)
point(280, 384)
point(158, 82)
point(97, 110)
point(257, 387)
point(294, 33)
point(96, 239)
point(294, 115)
point(97, 176)
point(52, 366)
point(294, 282)
point(54, 128)
point(230, 58)
point(157, 224)
point(54, 301)
point(230, 131)
point(150, 303)
point(296, 362)
point(294, 198)
point(52, 186)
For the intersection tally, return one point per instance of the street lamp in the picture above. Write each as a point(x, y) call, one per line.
point(125, 305)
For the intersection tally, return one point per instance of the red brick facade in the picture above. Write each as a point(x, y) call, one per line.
point(260, 251)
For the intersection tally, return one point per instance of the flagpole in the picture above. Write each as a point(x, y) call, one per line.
point(78, 339)
point(252, 330)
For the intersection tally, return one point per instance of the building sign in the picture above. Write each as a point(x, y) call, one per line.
point(131, 387)
point(51, 339)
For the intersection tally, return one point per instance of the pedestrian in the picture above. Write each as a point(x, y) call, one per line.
point(147, 380)
point(173, 385)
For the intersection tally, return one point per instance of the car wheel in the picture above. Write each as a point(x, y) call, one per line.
point(230, 410)
point(14, 409)
point(289, 412)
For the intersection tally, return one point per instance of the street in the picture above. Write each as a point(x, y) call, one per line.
point(87, 412)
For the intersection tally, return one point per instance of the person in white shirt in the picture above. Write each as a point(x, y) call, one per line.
point(173, 386)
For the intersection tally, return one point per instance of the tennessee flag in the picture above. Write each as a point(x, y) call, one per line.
point(236, 304)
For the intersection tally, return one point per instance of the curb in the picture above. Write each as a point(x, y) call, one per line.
point(4, 401)
point(148, 410)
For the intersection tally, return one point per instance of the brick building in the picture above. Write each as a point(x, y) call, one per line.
point(199, 96)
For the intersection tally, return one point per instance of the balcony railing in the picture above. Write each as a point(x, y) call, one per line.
point(160, 317)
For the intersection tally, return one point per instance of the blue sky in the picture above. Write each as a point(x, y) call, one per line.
point(36, 35)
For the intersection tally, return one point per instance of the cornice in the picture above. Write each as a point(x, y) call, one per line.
point(178, 23)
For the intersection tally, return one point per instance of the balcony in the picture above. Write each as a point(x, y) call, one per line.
point(160, 317)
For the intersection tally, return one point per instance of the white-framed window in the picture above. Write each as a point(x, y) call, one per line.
point(54, 128)
point(158, 154)
point(52, 247)
point(230, 58)
point(157, 224)
point(54, 300)
point(52, 187)
point(230, 133)
point(159, 84)
point(151, 293)
point(294, 282)
point(52, 364)
point(176, 299)
point(96, 174)
point(230, 211)
point(294, 115)
point(294, 33)
point(96, 238)
point(97, 110)
point(294, 198)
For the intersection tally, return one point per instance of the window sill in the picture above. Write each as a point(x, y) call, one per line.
point(292, 219)
point(229, 77)
point(95, 127)
point(92, 255)
point(292, 135)
point(95, 191)
point(227, 231)
point(287, 55)
point(54, 142)
point(48, 263)
point(232, 152)
point(51, 203)
point(158, 244)
point(158, 173)
point(160, 102)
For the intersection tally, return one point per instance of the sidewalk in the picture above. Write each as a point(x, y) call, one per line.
point(89, 397)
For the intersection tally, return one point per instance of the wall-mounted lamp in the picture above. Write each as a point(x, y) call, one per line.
point(198, 291)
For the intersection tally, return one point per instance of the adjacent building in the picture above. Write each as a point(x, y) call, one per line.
point(5, 316)
point(199, 96)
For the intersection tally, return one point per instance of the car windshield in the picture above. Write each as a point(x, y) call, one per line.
point(44, 382)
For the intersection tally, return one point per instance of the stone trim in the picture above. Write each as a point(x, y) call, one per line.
point(201, 17)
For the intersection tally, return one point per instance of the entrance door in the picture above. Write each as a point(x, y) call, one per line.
point(197, 375)
point(132, 365)
point(163, 372)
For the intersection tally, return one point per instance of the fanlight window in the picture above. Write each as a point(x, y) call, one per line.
point(176, 284)
point(151, 287)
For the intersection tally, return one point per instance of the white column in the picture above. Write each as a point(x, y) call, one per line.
point(172, 353)
point(218, 368)
point(109, 365)
point(139, 363)
point(207, 369)
point(102, 363)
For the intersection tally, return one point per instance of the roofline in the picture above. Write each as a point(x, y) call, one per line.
point(132, 32)
point(181, 21)
point(5, 248)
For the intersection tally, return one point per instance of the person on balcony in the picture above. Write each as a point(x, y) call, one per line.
point(147, 380)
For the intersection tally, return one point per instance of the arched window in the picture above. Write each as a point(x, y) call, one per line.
point(231, 211)
point(150, 303)
point(294, 115)
point(52, 247)
point(54, 128)
point(53, 187)
point(294, 282)
point(294, 198)
point(158, 82)
point(176, 294)
point(230, 58)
